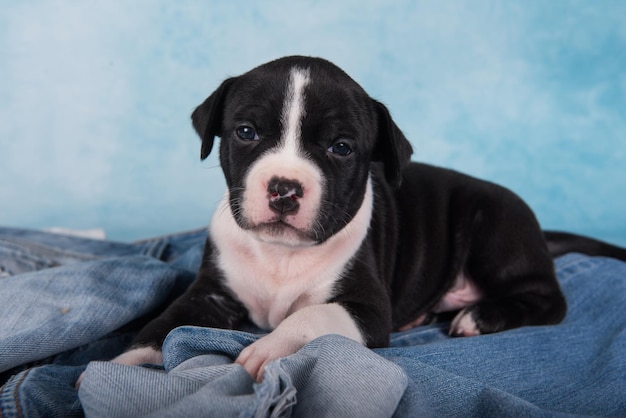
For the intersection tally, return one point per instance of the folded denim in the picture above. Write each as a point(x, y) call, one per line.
point(331, 376)
point(49, 390)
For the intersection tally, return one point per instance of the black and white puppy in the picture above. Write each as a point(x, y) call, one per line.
point(327, 228)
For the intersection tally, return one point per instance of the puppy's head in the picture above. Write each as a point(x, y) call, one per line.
point(298, 137)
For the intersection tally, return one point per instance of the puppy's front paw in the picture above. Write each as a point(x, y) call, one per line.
point(257, 355)
point(464, 324)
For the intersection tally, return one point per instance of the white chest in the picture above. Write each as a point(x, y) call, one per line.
point(274, 281)
point(273, 286)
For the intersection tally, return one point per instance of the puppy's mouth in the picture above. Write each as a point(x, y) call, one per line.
point(279, 231)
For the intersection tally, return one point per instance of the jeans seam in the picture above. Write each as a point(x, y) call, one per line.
point(18, 405)
point(15, 394)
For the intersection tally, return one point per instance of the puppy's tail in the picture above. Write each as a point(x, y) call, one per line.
point(560, 243)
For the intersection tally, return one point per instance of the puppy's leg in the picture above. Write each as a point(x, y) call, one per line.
point(519, 290)
point(510, 263)
point(295, 331)
point(509, 312)
point(512, 301)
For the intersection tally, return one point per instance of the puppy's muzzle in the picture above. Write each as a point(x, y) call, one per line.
point(283, 195)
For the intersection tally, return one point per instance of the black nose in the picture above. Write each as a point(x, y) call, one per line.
point(283, 195)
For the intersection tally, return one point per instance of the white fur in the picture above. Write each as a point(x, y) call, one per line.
point(294, 110)
point(464, 293)
point(275, 280)
point(256, 210)
point(464, 324)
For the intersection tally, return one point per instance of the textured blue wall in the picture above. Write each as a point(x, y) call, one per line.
point(96, 96)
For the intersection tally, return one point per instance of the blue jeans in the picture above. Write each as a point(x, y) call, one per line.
point(56, 320)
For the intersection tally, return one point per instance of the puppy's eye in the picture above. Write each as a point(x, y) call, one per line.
point(340, 148)
point(247, 133)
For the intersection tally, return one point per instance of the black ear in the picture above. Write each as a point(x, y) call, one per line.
point(392, 148)
point(207, 118)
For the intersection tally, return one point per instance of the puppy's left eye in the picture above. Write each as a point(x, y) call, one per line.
point(340, 148)
point(247, 133)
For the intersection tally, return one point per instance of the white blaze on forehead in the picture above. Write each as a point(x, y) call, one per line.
point(294, 110)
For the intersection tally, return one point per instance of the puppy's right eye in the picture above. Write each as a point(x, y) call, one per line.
point(247, 133)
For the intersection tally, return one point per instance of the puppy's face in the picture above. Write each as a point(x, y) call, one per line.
point(298, 136)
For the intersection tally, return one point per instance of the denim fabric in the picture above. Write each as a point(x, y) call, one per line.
point(23, 250)
point(331, 376)
point(577, 367)
point(88, 294)
point(48, 390)
point(50, 311)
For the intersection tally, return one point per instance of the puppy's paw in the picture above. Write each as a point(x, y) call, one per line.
point(140, 355)
point(298, 329)
point(464, 324)
point(79, 381)
point(134, 357)
point(257, 355)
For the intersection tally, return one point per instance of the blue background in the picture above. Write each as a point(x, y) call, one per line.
point(96, 96)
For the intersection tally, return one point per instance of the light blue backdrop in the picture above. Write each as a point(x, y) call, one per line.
point(95, 100)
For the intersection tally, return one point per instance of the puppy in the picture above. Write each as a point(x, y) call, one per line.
point(326, 227)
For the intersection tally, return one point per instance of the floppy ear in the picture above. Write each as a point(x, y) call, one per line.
point(392, 148)
point(207, 118)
